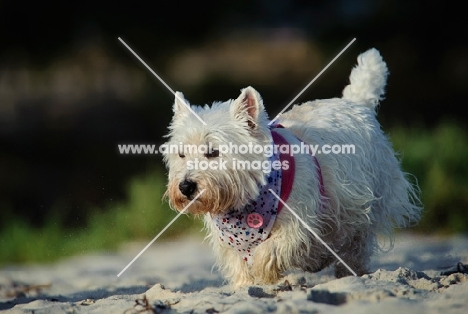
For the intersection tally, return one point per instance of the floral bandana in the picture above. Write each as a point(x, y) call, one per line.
point(246, 229)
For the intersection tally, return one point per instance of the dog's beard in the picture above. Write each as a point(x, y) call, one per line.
point(223, 191)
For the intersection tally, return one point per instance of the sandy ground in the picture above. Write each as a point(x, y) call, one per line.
point(176, 277)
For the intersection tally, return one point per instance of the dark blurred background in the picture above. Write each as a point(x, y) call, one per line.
point(70, 92)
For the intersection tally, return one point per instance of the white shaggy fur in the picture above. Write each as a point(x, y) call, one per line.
point(366, 192)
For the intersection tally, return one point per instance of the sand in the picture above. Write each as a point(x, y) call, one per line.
point(177, 277)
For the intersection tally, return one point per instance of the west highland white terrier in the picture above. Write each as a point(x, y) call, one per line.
point(345, 198)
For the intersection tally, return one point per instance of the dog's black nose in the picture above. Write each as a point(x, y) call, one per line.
point(187, 187)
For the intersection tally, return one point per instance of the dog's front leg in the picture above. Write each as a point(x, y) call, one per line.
point(265, 267)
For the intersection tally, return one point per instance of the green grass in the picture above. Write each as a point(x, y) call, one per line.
point(140, 218)
point(438, 158)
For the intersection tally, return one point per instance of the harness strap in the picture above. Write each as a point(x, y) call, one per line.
point(288, 174)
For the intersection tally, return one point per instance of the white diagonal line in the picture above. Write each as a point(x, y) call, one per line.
point(162, 231)
point(316, 77)
point(161, 80)
point(312, 231)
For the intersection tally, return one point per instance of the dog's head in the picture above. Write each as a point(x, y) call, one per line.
point(212, 158)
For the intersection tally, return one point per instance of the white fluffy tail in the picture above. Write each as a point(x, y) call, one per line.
point(367, 79)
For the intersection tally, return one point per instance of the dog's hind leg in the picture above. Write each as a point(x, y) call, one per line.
point(356, 254)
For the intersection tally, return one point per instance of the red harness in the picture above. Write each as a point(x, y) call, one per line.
point(288, 174)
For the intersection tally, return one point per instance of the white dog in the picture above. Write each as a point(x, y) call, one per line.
point(345, 198)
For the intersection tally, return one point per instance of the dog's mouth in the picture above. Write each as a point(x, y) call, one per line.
point(185, 200)
point(196, 208)
point(187, 193)
point(196, 204)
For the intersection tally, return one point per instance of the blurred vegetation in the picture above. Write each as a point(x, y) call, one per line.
point(439, 161)
point(141, 217)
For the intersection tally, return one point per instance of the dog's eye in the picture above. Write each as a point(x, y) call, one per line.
point(214, 153)
point(181, 155)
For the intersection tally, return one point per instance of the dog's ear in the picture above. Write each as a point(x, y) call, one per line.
point(247, 107)
point(180, 108)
